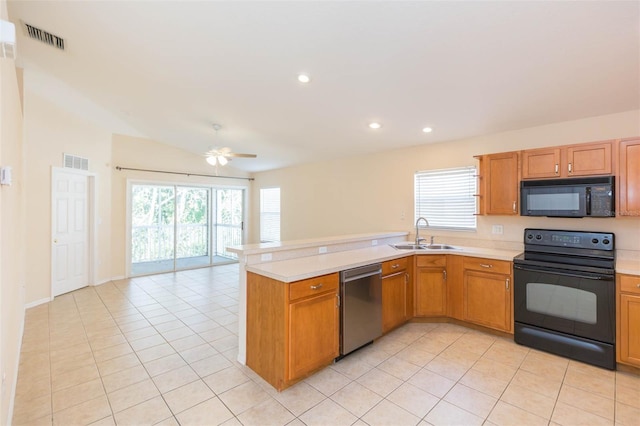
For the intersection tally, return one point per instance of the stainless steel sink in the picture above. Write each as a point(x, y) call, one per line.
point(410, 246)
point(439, 247)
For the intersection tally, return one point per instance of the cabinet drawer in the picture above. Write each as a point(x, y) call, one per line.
point(487, 265)
point(393, 266)
point(629, 284)
point(313, 286)
point(433, 260)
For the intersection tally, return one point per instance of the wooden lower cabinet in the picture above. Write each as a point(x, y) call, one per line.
point(430, 286)
point(396, 285)
point(313, 337)
point(292, 328)
point(487, 298)
point(628, 329)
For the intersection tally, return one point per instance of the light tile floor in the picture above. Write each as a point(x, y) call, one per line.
point(162, 350)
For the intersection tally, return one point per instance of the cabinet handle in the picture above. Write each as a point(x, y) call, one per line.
point(514, 206)
point(337, 300)
point(406, 279)
point(507, 282)
point(316, 287)
point(556, 169)
point(444, 274)
point(486, 265)
point(395, 266)
point(570, 168)
point(638, 285)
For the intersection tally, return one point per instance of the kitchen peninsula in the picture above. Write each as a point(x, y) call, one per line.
point(271, 268)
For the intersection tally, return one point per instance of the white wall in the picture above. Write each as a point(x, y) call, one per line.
point(51, 131)
point(12, 230)
point(374, 192)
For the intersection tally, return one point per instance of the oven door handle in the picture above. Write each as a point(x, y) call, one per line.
point(565, 273)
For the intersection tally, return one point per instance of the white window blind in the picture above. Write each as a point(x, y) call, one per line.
point(269, 215)
point(446, 198)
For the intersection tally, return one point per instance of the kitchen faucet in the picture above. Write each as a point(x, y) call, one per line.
point(418, 239)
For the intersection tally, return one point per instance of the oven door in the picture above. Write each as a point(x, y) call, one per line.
point(576, 303)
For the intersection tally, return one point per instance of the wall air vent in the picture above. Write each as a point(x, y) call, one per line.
point(44, 36)
point(74, 162)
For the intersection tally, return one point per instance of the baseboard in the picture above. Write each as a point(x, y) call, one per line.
point(36, 303)
point(107, 280)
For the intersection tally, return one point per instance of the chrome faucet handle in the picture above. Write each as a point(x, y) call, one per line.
point(431, 243)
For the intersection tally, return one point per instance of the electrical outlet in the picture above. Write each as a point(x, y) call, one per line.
point(322, 250)
point(402, 215)
point(374, 242)
point(265, 257)
point(497, 229)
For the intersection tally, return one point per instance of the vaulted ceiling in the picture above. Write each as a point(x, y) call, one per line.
point(169, 70)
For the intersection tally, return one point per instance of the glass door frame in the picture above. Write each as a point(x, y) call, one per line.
point(212, 211)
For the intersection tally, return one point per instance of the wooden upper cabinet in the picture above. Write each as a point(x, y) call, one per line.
point(589, 159)
point(629, 178)
point(541, 163)
point(567, 161)
point(499, 184)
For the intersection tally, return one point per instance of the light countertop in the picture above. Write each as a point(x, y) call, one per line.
point(313, 266)
point(628, 266)
point(311, 242)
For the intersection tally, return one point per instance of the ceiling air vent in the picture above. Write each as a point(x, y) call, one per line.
point(44, 36)
point(74, 162)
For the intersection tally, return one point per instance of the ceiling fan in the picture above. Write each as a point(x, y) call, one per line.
point(221, 156)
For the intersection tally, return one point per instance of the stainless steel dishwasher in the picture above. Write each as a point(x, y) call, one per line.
point(361, 307)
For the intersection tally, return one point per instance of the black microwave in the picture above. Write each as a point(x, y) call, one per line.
point(573, 197)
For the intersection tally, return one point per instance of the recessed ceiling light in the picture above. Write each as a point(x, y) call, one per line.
point(303, 78)
point(375, 125)
point(427, 130)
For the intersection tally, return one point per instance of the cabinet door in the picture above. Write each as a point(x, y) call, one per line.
point(541, 163)
point(501, 190)
point(487, 299)
point(629, 181)
point(431, 292)
point(630, 329)
point(313, 334)
point(394, 300)
point(589, 159)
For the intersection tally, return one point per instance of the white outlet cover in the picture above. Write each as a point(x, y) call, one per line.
point(322, 250)
point(374, 242)
point(265, 257)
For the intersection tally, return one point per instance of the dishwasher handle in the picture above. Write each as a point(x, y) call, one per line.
point(359, 273)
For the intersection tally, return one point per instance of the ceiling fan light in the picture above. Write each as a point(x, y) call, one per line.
point(222, 160)
point(211, 160)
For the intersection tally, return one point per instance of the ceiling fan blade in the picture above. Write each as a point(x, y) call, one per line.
point(234, 154)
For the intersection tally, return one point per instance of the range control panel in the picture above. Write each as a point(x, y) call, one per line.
point(573, 239)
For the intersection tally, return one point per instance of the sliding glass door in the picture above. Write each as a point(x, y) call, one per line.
point(192, 227)
point(152, 228)
point(180, 227)
point(229, 223)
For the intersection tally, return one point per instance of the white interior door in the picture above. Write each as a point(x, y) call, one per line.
point(70, 248)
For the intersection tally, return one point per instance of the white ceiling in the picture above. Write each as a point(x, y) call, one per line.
point(168, 70)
